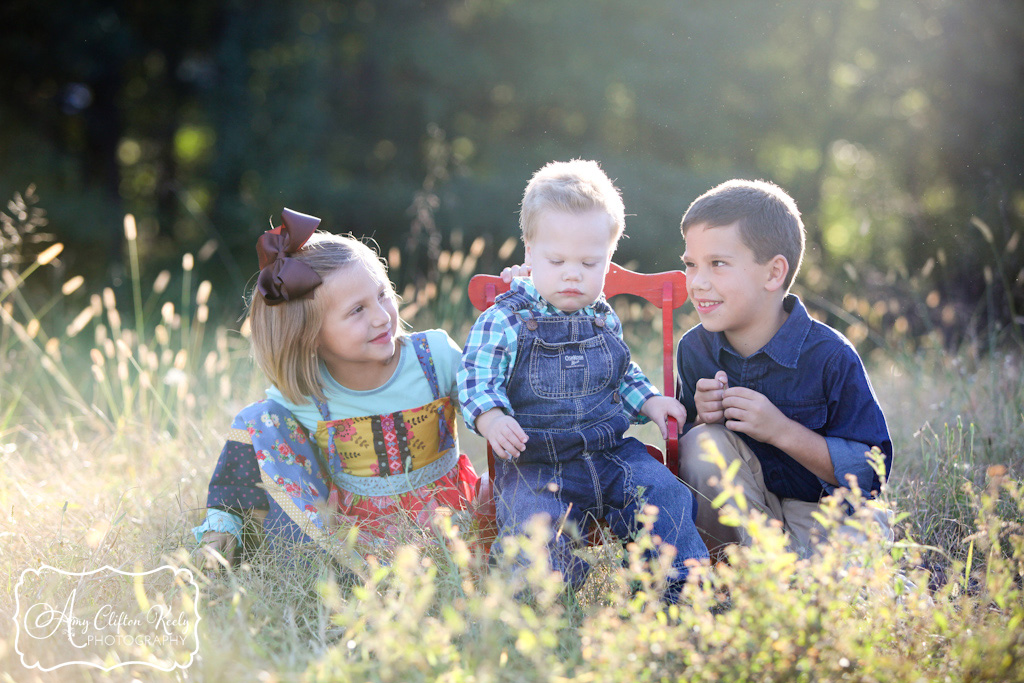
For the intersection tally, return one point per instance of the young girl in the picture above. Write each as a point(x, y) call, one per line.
point(358, 427)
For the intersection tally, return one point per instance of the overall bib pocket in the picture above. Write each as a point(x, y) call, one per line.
point(570, 370)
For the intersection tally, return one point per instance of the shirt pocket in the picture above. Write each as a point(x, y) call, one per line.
point(571, 369)
point(811, 414)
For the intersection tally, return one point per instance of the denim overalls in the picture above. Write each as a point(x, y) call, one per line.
point(577, 465)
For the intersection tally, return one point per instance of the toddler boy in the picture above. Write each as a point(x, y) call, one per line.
point(781, 392)
point(547, 379)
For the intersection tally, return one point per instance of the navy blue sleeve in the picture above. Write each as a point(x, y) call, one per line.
point(853, 411)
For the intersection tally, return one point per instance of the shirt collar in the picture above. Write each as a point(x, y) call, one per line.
point(784, 348)
point(525, 286)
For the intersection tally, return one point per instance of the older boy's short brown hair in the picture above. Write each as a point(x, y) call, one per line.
point(284, 337)
point(768, 219)
point(573, 186)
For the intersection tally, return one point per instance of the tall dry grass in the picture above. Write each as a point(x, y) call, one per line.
point(114, 411)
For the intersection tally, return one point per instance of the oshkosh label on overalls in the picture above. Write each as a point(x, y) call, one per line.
point(573, 361)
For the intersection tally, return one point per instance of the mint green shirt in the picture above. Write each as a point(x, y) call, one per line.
point(407, 388)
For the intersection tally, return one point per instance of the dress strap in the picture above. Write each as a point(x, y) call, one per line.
point(333, 460)
point(324, 412)
point(445, 430)
point(422, 348)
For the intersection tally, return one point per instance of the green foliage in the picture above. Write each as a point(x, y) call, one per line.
point(893, 124)
point(853, 612)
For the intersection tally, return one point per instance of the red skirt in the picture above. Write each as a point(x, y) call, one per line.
point(408, 517)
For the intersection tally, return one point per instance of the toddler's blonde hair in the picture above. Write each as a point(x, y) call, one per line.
point(575, 186)
point(284, 336)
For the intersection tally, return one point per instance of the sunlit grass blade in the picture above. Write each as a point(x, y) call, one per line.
point(131, 235)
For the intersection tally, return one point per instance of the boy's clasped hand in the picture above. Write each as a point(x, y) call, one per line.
point(738, 408)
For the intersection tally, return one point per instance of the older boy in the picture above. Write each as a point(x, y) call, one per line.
point(782, 393)
point(547, 379)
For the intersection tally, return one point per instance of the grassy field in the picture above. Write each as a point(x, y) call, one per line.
point(114, 410)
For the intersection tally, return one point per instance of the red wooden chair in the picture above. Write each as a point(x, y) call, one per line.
point(666, 291)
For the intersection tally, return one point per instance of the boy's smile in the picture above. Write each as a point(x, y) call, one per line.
point(570, 254)
point(705, 306)
point(731, 292)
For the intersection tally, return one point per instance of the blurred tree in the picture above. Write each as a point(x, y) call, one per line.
point(892, 123)
point(61, 80)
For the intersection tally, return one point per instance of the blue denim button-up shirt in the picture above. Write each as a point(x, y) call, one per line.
point(813, 375)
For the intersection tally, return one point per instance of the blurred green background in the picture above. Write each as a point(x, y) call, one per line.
point(897, 126)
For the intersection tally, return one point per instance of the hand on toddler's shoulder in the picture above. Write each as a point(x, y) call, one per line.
point(515, 271)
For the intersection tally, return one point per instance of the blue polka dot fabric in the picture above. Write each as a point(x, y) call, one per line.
point(235, 482)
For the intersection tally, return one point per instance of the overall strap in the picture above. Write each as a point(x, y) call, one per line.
point(601, 312)
point(513, 300)
point(527, 318)
point(422, 348)
point(602, 307)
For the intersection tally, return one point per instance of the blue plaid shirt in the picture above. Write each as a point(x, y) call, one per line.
point(490, 354)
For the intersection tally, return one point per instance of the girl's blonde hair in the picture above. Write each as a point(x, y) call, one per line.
point(284, 337)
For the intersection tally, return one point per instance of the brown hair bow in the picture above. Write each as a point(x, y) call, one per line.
point(281, 277)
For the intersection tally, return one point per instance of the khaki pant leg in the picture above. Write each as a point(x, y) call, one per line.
point(882, 520)
point(805, 532)
point(699, 475)
point(797, 520)
point(796, 515)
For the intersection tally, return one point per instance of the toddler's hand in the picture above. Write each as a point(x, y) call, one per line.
point(707, 397)
point(660, 408)
point(220, 541)
point(515, 271)
point(506, 438)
